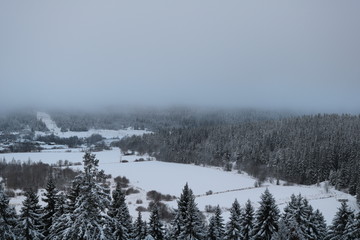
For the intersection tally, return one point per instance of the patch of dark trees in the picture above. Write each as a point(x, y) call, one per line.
point(34, 175)
point(94, 142)
point(25, 146)
point(70, 141)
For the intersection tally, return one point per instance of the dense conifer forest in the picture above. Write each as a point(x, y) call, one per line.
point(304, 149)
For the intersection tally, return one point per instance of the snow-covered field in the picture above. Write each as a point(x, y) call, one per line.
point(169, 178)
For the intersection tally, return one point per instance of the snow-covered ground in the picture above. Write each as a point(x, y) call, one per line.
point(169, 178)
point(108, 134)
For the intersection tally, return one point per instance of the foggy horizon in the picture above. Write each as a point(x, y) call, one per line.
point(300, 56)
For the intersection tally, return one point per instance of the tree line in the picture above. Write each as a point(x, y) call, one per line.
point(88, 212)
point(304, 149)
point(25, 175)
point(155, 118)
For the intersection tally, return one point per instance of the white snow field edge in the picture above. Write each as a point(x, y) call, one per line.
point(169, 178)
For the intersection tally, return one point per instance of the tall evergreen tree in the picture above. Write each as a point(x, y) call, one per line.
point(89, 219)
point(316, 227)
point(139, 228)
point(216, 226)
point(282, 233)
point(191, 226)
point(267, 217)
point(181, 212)
point(146, 229)
point(31, 218)
point(343, 217)
point(73, 194)
point(352, 230)
point(155, 226)
point(8, 218)
point(49, 209)
point(296, 217)
point(119, 213)
point(233, 227)
point(61, 207)
point(247, 221)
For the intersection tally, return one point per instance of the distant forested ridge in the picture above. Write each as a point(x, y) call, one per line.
point(303, 149)
point(156, 119)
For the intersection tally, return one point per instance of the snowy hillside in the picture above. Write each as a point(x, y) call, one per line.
point(169, 178)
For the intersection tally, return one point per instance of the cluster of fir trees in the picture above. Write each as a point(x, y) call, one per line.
point(304, 150)
point(88, 212)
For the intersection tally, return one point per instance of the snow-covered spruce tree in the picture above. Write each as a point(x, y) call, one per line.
point(316, 226)
point(149, 237)
point(343, 217)
point(49, 209)
point(88, 220)
point(233, 227)
point(211, 231)
point(181, 212)
point(61, 207)
point(167, 232)
point(216, 226)
point(282, 233)
point(8, 218)
point(31, 224)
point(296, 217)
point(146, 229)
point(247, 221)
point(299, 221)
point(266, 219)
point(139, 228)
point(119, 213)
point(155, 226)
point(192, 225)
point(73, 193)
point(352, 230)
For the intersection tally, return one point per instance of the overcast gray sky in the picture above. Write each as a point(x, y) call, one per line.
point(299, 55)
